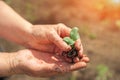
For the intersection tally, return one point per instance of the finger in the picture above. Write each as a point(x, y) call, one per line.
point(77, 66)
point(80, 56)
point(80, 52)
point(85, 59)
point(76, 59)
point(78, 44)
point(58, 41)
point(64, 30)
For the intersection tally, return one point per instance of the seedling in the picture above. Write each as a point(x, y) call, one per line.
point(74, 35)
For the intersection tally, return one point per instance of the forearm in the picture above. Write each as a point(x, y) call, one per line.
point(7, 66)
point(12, 26)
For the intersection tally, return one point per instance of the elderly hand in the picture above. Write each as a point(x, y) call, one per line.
point(39, 64)
point(48, 38)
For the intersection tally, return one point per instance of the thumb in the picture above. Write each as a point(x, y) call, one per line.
point(58, 41)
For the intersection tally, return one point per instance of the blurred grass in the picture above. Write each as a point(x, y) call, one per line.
point(29, 12)
point(103, 72)
point(92, 36)
point(8, 1)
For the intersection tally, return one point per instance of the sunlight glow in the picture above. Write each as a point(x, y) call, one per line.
point(116, 1)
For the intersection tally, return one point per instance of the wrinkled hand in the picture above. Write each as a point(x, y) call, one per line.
point(39, 64)
point(48, 38)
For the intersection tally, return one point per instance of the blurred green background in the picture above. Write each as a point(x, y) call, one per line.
point(99, 26)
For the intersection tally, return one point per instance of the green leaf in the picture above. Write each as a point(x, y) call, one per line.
point(68, 40)
point(74, 34)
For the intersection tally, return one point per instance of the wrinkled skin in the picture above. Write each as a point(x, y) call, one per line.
point(39, 64)
point(48, 38)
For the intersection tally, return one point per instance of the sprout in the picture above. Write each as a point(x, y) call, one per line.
point(74, 35)
point(69, 41)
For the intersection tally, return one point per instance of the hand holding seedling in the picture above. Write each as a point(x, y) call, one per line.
point(58, 39)
point(74, 52)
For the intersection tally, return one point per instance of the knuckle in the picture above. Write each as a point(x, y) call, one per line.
point(65, 48)
point(51, 33)
point(56, 40)
point(61, 24)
